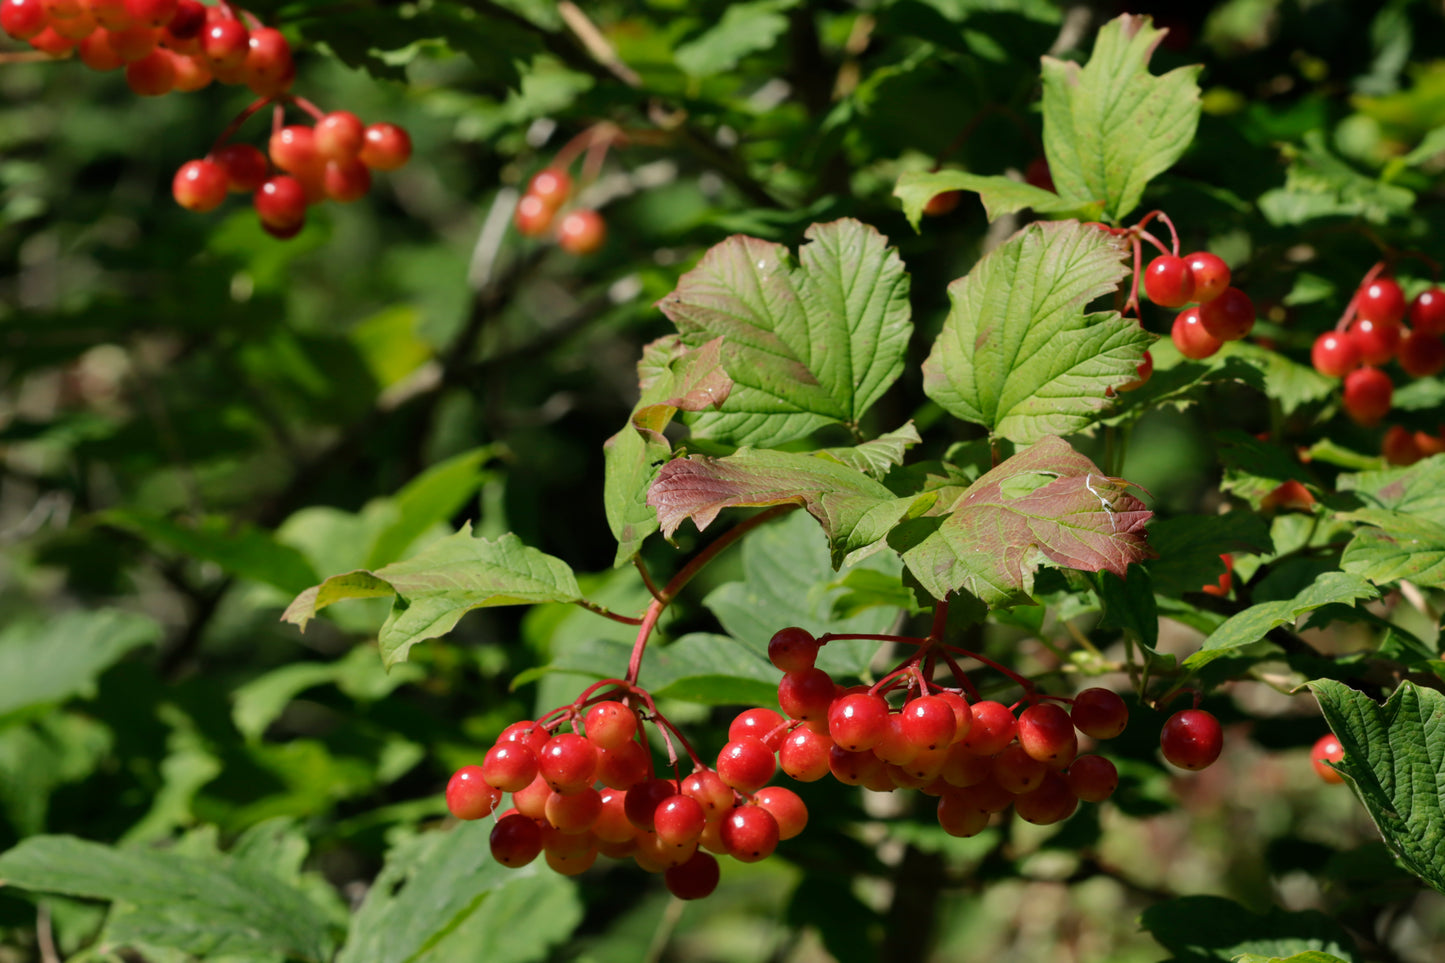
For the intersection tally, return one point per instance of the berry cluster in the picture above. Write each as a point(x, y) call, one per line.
point(168, 45)
point(1219, 313)
point(594, 791)
point(578, 231)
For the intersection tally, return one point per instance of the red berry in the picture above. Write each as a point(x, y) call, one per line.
point(963, 767)
point(516, 840)
point(245, 166)
point(959, 816)
point(1376, 341)
point(152, 13)
point(226, 44)
point(154, 75)
point(760, 723)
point(568, 762)
point(643, 799)
point(1327, 749)
point(896, 747)
point(199, 185)
point(551, 186)
point(134, 42)
point(1052, 802)
point(23, 19)
point(679, 820)
point(1226, 581)
point(1092, 778)
point(340, 135)
point(293, 149)
point(1191, 739)
point(804, 755)
point(625, 766)
point(746, 764)
point(1368, 394)
point(1015, 770)
point(1190, 337)
point(1210, 273)
point(787, 808)
point(581, 232)
point(97, 53)
point(1427, 311)
point(750, 833)
point(928, 722)
point(1421, 354)
point(1099, 713)
point(1335, 354)
point(533, 217)
point(994, 727)
point(1381, 301)
point(469, 796)
point(268, 68)
point(962, 713)
point(526, 731)
point(694, 879)
point(188, 20)
point(1288, 494)
point(1400, 446)
point(1047, 734)
point(110, 14)
point(509, 766)
point(192, 73)
point(858, 721)
point(573, 812)
point(386, 147)
point(793, 649)
point(281, 203)
point(1228, 317)
point(853, 768)
point(609, 724)
point(1145, 369)
point(346, 181)
point(52, 43)
point(707, 787)
point(1168, 282)
point(532, 800)
point(941, 203)
point(806, 695)
point(612, 824)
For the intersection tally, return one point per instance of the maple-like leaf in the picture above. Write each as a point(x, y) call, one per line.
point(855, 511)
point(1047, 504)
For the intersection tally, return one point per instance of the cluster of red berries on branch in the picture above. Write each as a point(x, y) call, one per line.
point(594, 791)
point(182, 45)
point(549, 207)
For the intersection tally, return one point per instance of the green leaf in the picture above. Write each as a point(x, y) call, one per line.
point(445, 581)
point(259, 702)
point(1000, 195)
point(1110, 126)
point(878, 457)
point(1318, 184)
point(855, 511)
point(1129, 604)
point(1418, 489)
point(45, 663)
point(1395, 762)
point(672, 378)
point(1309, 956)
point(1189, 547)
point(743, 29)
point(710, 669)
point(787, 579)
point(240, 550)
point(1253, 468)
point(429, 499)
point(432, 886)
point(206, 907)
point(1018, 353)
point(1292, 384)
point(1047, 504)
point(1212, 929)
point(37, 758)
point(1253, 623)
point(805, 345)
point(1391, 546)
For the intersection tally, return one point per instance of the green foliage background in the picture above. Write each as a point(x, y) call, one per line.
point(197, 423)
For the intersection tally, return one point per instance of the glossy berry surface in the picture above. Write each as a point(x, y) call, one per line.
point(1190, 336)
point(200, 185)
point(1427, 311)
point(1376, 341)
point(1381, 301)
point(551, 186)
point(385, 147)
point(1421, 354)
point(581, 232)
point(1099, 713)
point(469, 796)
point(750, 834)
point(1211, 275)
point(746, 764)
point(1046, 733)
point(281, 203)
point(516, 840)
point(1327, 749)
point(1368, 395)
point(858, 721)
point(793, 649)
point(1191, 739)
point(694, 879)
point(1229, 316)
point(1169, 282)
point(1335, 354)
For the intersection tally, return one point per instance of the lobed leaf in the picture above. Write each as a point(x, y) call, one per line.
point(1018, 353)
point(1395, 762)
point(1047, 504)
point(1390, 546)
point(1000, 195)
point(1212, 929)
point(448, 579)
point(1251, 625)
point(1110, 126)
point(877, 457)
point(804, 345)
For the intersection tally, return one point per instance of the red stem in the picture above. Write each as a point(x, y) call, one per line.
point(1350, 308)
point(607, 613)
point(236, 123)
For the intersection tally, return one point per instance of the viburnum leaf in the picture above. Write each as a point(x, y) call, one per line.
point(1390, 546)
point(435, 588)
point(1418, 489)
point(855, 511)
point(1250, 626)
point(1110, 126)
point(1000, 195)
point(1018, 353)
point(1212, 929)
point(877, 457)
point(1046, 505)
point(1395, 762)
point(805, 344)
point(673, 378)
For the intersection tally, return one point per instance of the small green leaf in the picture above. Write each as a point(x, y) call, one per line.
point(1395, 762)
point(1069, 514)
point(444, 582)
point(805, 345)
point(1255, 622)
point(1318, 185)
point(1018, 353)
point(1418, 489)
point(1390, 546)
point(1212, 929)
point(1000, 195)
point(1309, 956)
point(45, 663)
point(744, 28)
point(1110, 126)
point(855, 511)
point(878, 457)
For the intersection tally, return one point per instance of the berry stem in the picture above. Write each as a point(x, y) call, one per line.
point(316, 112)
point(1365, 282)
point(641, 567)
point(607, 613)
point(237, 121)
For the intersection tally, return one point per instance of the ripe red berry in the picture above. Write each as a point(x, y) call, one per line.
point(97, 53)
point(526, 731)
point(1376, 341)
point(386, 147)
point(1400, 446)
point(750, 833)
point(110, 14)
point(573, 812)
point(679, 820)
point(609, 724)
point(1092, 778)
point(707, 787)
point(746, 764)
point(994, 727)
point(226, 44)
point(1327, 749)
point(533, 217)
point(552, 187)
point(469, 796)
point(858, 721)
point(806, 695)
point(23, 19)
point(516, 840)
point(1427, 311)
point(1421, 354)
point(612, 824)
point(132, 43)
point(75, 28)
point(1168, 282)
point(1335, 354)
point(532, 801)
point(340, 135)
point(959, 816)
point(1046, 733)
point(581, 232)
point(1381, 301)
point(804, 755)
point(192, 73)
point(268, 68)
point(509, 766)
point(760, 723)
point(941, 203)
point(199, 185)
point(643, 799)
point(1099, 713)
point(152, 13)
point(568, 762)
point(1190, 337)
point(1052, 802)
point(793, 649)
point(1191, 739)
point(1015, 770)
point(293, 149)
point(694, 879)
point(52, 43)
point(928, 722)
point(1210, 273)
point(188, 20)
point(1368, 395)
point(1229, 316)
point(625, 766)
point(245, 166)
point(787, 808)
point(1289, 494)
point(962, 713)
point(964, 768)
point(153, 75)
point(281, 203)
point(1145, 369)
point(346, 181)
